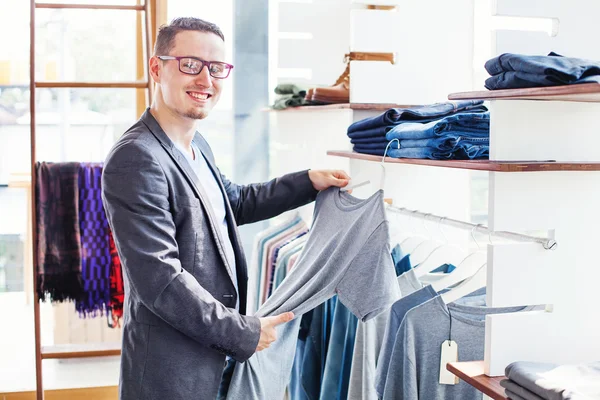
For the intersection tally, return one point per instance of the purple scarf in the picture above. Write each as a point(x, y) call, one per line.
point(95, 249)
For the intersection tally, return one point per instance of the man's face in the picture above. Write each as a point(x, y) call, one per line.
point(192, 96)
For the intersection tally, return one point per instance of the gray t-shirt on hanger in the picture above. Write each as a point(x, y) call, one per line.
point(368, 342)
point(348, 254)
point(415, 361)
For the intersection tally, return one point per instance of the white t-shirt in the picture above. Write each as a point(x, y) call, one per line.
point(216, 200)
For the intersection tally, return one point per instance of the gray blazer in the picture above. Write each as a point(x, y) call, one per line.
point(179, 292)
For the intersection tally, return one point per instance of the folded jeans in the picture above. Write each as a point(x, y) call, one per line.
point(447, 142)
point(469, 124)
point(376, 132)
point(519, 79)
point(559, 69)
point(377, 139)
point(420, 114)
point(459, 152)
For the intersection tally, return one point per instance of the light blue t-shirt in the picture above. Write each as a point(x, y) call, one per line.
point(216, 200)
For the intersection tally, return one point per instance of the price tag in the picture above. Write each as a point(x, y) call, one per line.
point(449, 354)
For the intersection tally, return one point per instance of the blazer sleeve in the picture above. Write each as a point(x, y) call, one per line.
point(135, 193)
point(260, 201)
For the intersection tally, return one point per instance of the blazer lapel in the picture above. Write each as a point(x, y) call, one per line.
point(230, 218)
point(193, 180)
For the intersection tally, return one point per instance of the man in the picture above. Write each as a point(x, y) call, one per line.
point(174, 220)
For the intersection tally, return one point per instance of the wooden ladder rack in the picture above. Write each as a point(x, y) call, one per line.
point(71, 351)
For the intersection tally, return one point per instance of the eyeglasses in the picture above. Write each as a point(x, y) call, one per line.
point(193, 66)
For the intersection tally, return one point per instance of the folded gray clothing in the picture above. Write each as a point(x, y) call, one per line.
point(290, 88)
point(519, 391)
point(289, 100)
point(513, 396)
point(557, 382)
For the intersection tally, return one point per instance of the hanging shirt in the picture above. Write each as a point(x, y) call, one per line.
point(217, 202)
point(415, 360)
point(255, 270)
point(348, 254)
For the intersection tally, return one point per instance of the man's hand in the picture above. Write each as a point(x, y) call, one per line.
point(324, 179)
point(267, 329)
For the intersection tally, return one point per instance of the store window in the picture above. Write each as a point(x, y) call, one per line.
point(72, 125)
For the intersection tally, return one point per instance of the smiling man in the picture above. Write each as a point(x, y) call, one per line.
point(174, 217)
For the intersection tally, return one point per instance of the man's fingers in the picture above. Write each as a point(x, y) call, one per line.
point(281, 318)
point(341, 175)
point(339, 182)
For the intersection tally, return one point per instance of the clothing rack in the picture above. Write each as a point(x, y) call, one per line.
point(548, 244)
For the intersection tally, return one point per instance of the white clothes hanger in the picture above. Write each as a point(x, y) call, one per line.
point(472, 263)
point(419, 253)
point(408, 244)
point(475, 282)
point(351, 186)
point(382, 180)
point(472, 275)
point(443, 254)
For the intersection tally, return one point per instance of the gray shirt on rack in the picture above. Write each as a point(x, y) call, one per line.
point(415, 360)
point(348, 254)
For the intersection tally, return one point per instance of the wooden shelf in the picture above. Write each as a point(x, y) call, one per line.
point(587, 92)
point(343, 106)
point(132, 85)
point(472, 373)
point(477, 165)
point(89, 6)
point(81, 350)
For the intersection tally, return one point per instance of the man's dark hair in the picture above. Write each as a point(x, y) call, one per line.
point(166, 33)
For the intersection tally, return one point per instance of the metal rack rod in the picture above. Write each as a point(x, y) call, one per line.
point(547, 243)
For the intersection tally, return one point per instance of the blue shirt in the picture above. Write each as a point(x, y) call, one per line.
point(217, 201)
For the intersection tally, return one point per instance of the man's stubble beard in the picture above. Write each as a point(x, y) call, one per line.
point(195, 114)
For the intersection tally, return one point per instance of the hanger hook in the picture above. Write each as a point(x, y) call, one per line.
point(473, 236)
point(386, 149)
point(414, 219)
point(425, 225)
point(440, 228)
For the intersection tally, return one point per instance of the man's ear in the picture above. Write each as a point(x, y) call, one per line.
point(155, 68)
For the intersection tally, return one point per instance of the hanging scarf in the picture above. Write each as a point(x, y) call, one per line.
point(58, 263)
point(95, 251)
point(117, 290)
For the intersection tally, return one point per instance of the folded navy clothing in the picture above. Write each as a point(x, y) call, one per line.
point(557, 382)
point(373, 146)
point(519, 71)
point(378, 139)
point(422, 114)
point(517, 80)
point(376, 132)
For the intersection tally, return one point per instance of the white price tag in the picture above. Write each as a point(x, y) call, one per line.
point(449, 354)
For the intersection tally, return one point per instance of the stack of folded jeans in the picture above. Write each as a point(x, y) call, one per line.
point(511, 71)
point(544, 381)
point(443, 131)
